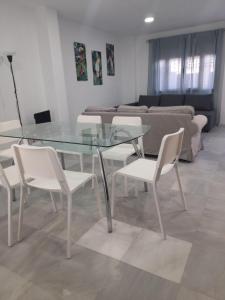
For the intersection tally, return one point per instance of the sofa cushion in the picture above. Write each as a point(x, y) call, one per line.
point(200, 102)
point(148, 100)
point(171, 100)
point(132, 109)
point(173, 109)
point(100, 108)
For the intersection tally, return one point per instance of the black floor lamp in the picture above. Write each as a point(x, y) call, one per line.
point(10, 59)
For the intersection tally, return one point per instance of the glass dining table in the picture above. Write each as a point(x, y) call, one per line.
point(82, 138)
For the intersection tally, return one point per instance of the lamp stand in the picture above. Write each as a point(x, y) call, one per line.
point(10, 58)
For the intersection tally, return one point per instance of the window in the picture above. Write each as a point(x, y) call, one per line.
point(199, 72)
point(192, 65)
point(209, 64)
point(162, 70)
point(174, 73)
point(192, 69)
point(172, 68)
point(196, 73)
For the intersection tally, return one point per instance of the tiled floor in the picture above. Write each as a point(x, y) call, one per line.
point(37, 269)
point(141, 248)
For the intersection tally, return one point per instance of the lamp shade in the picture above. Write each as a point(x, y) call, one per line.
point(9, 55)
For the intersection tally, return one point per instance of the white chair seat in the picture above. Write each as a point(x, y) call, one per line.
point(121, 152)
point(74, 180)
point(143, 169)
point(43, 167)
point(150, 171)
point(6, 153)
point(12, 175)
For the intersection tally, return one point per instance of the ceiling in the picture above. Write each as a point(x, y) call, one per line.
point(127, 16)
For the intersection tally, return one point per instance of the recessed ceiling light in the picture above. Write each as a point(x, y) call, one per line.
point(149, 20)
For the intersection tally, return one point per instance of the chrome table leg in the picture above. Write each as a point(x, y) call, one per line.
point(107, 200)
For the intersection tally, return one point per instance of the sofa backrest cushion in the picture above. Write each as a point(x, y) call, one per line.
point(100, 108)
point(173, 109)
point(148, 100)
point(171, 100)
point(200, 102)
point(132, 109)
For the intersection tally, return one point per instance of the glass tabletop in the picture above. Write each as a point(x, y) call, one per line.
point(99, 135)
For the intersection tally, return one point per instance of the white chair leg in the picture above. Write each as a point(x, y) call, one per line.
point(69, 213)
point(21, 208)
point(63, 160)
point(61, 201)
point(125, 182)
point(136, 188)
point(93, 171)
point(9, 196)
point(180, 188)
point(53, 202)
point(98, 198)
point(81, 163)
point(14, 194)
point(113, 194)
point(158, 211)
point(26, 197)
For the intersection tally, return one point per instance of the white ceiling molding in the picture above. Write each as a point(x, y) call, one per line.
point(193, 29)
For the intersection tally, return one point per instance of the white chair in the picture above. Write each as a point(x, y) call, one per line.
point(5, 142)
point(150, 171)
point(124, 151)
point(9, 180)
point(80, 119)
point(43, 167)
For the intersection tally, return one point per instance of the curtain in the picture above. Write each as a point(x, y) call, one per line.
point(186, 64)
point(166, 65)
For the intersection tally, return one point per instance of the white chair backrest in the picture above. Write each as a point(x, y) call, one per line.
point(129, 121)
point(3, 179)
point(169, 151)
point(39, 163)
point(88, 123)
point(89, 119)
point(8, 125)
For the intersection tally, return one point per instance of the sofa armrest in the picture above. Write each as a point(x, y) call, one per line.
point(200, 121)
point(196, 141)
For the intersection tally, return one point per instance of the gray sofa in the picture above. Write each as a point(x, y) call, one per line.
point(161, 122)
point(203, 104)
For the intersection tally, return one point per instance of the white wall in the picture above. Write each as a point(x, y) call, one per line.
point(18, 33)
point(127, 53)
point(84, 93)
point(52, 62)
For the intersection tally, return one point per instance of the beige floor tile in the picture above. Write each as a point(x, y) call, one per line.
point(164, 258)
point(114, 244)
